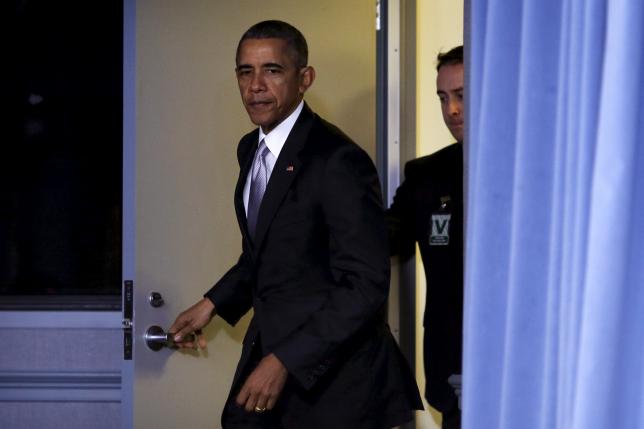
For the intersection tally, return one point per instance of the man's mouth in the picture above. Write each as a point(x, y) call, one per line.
point(259, 103)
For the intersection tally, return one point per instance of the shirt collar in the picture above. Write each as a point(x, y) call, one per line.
point(276, 138)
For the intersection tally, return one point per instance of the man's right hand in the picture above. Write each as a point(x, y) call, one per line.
point(190, 322)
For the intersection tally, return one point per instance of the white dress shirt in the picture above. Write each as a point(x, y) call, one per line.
point(274, 142)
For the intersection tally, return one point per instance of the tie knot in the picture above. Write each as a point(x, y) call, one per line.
point(263, 149)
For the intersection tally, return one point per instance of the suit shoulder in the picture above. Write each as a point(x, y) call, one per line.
point(447, 159)
point(330, 131)
point(328, 138)
point(338, 155)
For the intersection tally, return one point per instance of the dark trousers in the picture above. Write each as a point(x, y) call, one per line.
point(236, 417)
point(452, 419)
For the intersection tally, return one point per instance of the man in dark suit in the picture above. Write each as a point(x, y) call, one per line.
point(428, 209)
point(314, 264)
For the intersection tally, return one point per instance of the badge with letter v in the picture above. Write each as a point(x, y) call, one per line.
point(439, 235)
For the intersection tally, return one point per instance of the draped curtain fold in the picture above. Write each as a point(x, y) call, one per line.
point(554, 279)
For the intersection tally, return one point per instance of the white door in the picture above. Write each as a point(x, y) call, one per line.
point(180, 171)
point(182, 121)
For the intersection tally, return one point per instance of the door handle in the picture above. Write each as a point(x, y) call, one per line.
point(156, 338)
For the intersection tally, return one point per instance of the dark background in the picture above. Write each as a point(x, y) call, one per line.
point(61, 175)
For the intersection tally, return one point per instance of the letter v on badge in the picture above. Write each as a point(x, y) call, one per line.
point(440, 224)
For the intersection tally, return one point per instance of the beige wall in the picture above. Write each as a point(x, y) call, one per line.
point(439, 27)
point(341, 38)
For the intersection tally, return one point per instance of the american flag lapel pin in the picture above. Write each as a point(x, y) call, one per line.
point(290, 168)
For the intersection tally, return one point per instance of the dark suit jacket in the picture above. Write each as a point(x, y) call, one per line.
point(431, 192)
point(317, 277)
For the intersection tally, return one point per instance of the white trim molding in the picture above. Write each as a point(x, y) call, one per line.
point(44, 386)
point(60, 319)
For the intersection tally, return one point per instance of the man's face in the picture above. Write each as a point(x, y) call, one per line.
point(270, 82)
point(449, 87)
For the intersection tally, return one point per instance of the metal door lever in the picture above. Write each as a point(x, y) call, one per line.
point(156, 338)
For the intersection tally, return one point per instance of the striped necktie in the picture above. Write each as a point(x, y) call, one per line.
point(259, 179)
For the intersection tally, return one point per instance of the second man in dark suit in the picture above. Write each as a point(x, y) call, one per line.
point(428, 210)
point(314, 265)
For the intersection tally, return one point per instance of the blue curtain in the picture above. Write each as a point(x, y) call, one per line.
point(554, 299)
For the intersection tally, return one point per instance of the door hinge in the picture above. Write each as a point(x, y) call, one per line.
point(377, 15)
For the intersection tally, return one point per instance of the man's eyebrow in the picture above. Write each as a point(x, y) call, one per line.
point(273, 65)
point(440, 91)
point(243, 66)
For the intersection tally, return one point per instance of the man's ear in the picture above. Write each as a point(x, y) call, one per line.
point(307, 76)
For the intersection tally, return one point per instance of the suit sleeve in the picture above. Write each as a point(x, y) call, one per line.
point(358, 261)
point(400, 219)
point(232, 294)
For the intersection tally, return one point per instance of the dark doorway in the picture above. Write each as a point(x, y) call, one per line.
point(61, 182)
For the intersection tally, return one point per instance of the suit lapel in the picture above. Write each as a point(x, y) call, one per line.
point(284, 172)
point(246, 154)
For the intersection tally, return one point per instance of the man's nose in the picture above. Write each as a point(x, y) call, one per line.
point(257, 82)
point(455, 108)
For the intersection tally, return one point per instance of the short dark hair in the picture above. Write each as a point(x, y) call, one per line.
point(451, 57)
point(274, 29)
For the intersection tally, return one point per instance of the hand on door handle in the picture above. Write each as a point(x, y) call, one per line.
point(156, 338)
point(191, 321)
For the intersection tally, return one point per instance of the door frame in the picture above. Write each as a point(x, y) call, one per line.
point(129, 192)
point(396, 144)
